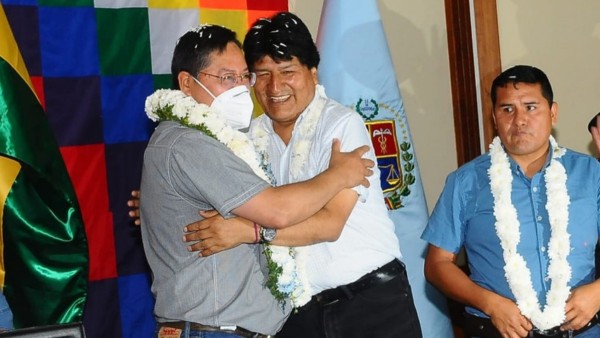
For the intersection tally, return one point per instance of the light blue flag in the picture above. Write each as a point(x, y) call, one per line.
point(356, 70)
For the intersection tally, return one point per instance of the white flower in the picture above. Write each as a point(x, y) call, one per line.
point(180, 111)
point(196, 115)
point(214, 122)
point(151, 115)
point(226, 134)
point(507, 228)
point(237, 144)
point(293, 281)
point(150, 105)
point(174, 105)
point(260, 138)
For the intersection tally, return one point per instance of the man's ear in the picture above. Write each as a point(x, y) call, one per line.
point(554, 112)
point(185, 79)
point(313, 72)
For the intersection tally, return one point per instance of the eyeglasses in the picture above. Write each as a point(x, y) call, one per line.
point(231, 79)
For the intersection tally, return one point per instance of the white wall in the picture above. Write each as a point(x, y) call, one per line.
point(561, 37)
point(416, 34)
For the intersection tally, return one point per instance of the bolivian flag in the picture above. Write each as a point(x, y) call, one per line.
point(43, 248)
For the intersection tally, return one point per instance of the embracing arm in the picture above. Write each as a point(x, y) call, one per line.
point(290, 204)
point(215, 234)
point(324, 226)
point(134, 207)
point(441, 270)
point(282, 206)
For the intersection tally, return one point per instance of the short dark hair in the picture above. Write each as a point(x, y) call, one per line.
point(523, 74)
point(593, 122)
point(281, 37)
point(193, 48)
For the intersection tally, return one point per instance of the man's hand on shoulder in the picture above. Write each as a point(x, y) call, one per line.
point(351, 165)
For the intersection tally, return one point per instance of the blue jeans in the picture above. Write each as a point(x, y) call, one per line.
point(6, 316)
point(591, 333)
point(187, 333)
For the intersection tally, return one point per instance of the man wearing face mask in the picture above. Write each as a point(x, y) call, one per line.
point(197, 160)
point(235, 104)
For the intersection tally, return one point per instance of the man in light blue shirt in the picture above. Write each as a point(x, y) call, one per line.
point(530, 203)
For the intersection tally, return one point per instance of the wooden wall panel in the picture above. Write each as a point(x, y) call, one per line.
point(463, 75)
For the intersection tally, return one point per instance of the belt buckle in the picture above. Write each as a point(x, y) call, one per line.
point(552, 333)
point(228, 328)
point(324, 300)
point(549, 332)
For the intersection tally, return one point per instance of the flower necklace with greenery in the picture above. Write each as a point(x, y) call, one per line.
point(283, 278)
point(293, 279)
point(174, 105)
point(507, 228)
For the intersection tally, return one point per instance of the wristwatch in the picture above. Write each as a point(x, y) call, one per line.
point(267, 235)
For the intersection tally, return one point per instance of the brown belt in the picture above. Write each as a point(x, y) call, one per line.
point(227, 329)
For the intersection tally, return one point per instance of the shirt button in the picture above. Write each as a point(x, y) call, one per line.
point(543, 249)
point(539, 218)
point(534, 189)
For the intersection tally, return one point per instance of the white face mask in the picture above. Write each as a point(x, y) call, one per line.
point(234, 104)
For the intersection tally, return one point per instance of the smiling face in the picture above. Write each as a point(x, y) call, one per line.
point(284, 89)
point(524, 120)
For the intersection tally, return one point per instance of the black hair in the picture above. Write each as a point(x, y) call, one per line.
point(193, 49)
point(523, 74)
point(593, 122)
point(281, 37)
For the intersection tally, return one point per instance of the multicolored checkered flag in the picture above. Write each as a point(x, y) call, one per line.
point(92, 64)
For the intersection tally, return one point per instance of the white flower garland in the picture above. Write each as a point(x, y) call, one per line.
point(507, 227)
point(174, 105)
point(294, 279)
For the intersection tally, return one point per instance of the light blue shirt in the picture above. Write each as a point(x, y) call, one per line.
point(464, 216)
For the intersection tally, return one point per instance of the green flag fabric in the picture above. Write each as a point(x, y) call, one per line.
point(44, 248)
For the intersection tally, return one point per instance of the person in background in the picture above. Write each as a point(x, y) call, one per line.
point(527, 214)
point(196, 159)
point(353, 281)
